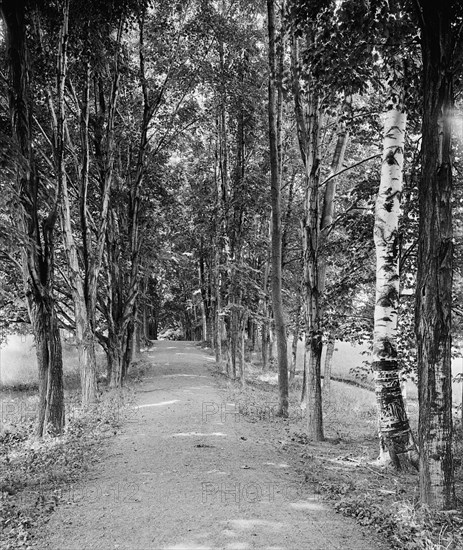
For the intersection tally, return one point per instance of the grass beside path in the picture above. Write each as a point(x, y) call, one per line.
point(343, 468)
point(36, 475)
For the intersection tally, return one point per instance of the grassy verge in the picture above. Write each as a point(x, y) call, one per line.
point(36, 475)
point(342, 468)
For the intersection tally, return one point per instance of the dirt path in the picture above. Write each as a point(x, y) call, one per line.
point(188, 472)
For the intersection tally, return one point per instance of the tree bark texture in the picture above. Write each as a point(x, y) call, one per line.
point(83, 327)
point(265, 307)
point(37, 256)
point(328, 366)
point(394, 428)
point(275, 181)
point(308, 128)
point(433, 312)
point(337, 161)
point(296, 331)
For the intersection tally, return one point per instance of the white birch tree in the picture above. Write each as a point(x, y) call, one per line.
point(394, 428)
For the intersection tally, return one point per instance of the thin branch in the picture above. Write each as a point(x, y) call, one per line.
point(42, 131)
point(350, 168)
point(406, 254)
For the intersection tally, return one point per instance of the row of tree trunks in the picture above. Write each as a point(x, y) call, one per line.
point(84, 278)
point(133, 288)
point(227, 309)
point(124, 293)
point(83, 326)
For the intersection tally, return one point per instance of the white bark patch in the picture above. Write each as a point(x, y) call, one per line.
point(392, 417)
point(386, 237)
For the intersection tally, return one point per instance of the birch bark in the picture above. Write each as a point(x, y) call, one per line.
point(394, 429)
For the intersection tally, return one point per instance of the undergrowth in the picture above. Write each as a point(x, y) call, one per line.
point(343, 469)
point(406, 525)
point(37, 474)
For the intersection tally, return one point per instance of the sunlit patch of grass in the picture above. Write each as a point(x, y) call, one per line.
point(18, 364)
point(349, 412)
point(258, 404)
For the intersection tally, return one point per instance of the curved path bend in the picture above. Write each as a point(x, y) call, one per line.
point(188, 472)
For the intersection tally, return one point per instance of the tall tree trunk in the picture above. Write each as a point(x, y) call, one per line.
point(89, 387)
point(325, 227)
point(137, 335)
point(222, 199)
point(314, 331)
point(297, 328)
point(241, 346)
point(336, 164)
point(328, 365)
point(265, 309)
point(394, 428)
point(275, 180)
point(204, 334)
point(308, 128)
point(130, 341)
point(203, 295)
point(104, 143)
point(114, 303)
point(84, 331)
point(218, 309)
point(287, 219)
point(83, 326)
point(327, 215)
point(232, 319)
point(304, 382)
point(272, 341)
point(50, 363)
point(115, 360)
point(233, 342)
point(124, 286)
point(265, 336)
point(38, 251)
point(441, 49)
point(132, 293)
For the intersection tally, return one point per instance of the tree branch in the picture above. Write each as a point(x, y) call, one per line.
point(350, 168)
